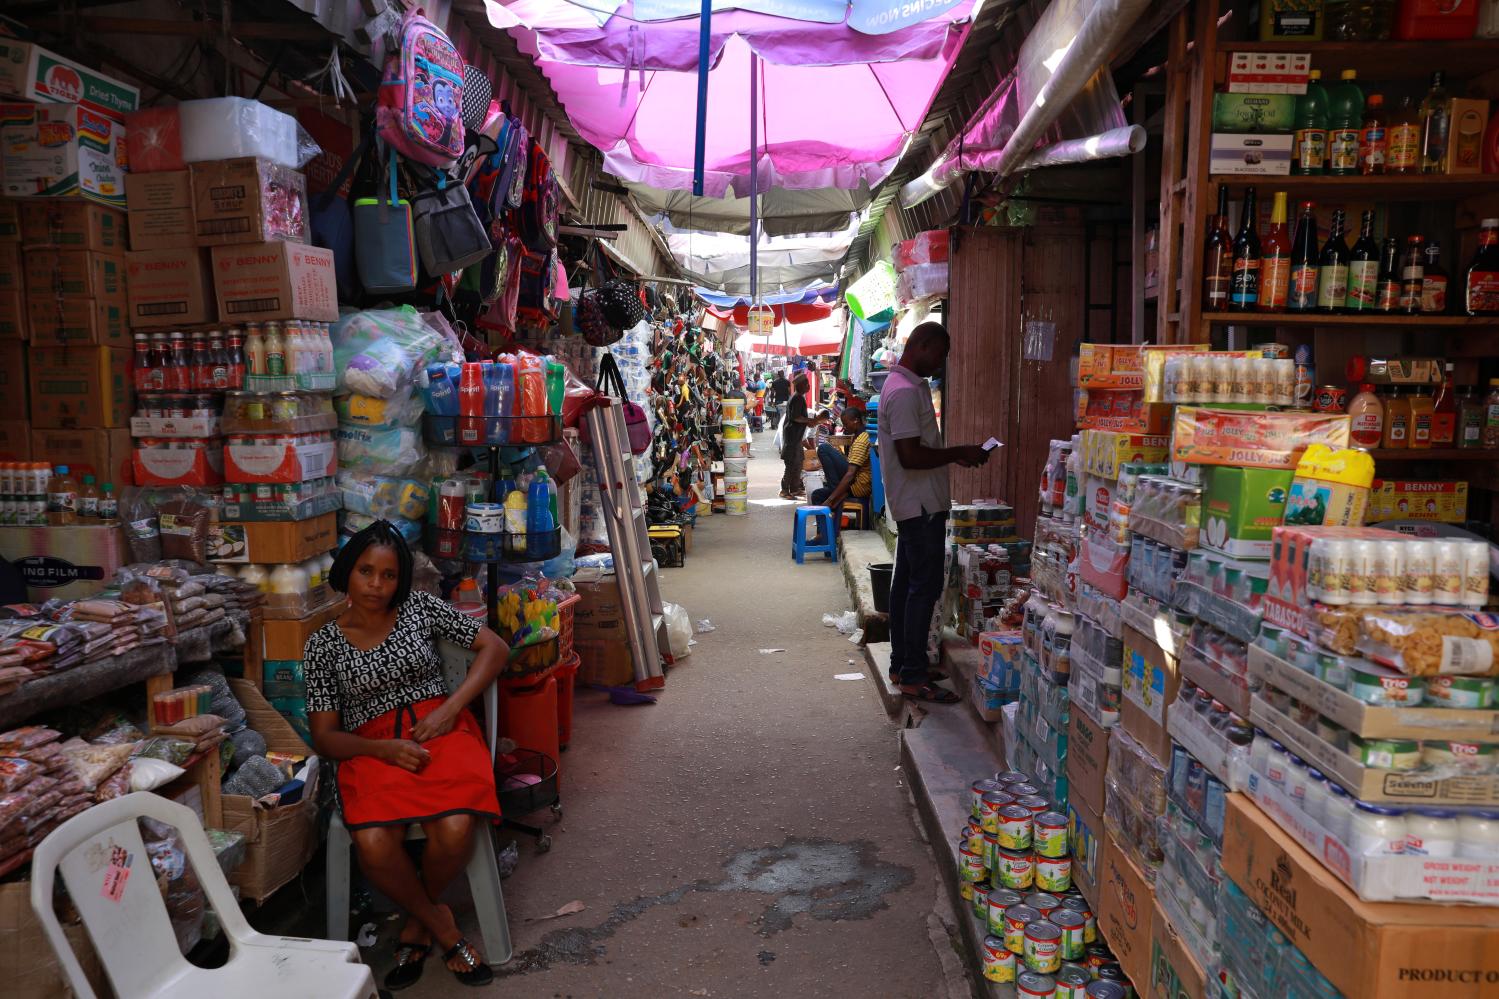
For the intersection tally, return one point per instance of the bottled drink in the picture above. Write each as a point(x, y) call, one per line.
point(201, 366)
point(1244, 287)
point(1481, 282)
point(1217, 258)
point(161, 361)
point(539, 509)
point(442, 396)
point(292, 336)
point(234, 359)
point(140, 363)
point(88, 501)
point(275, 350)
point(1403, 152)
point(1363, 268)
point(62, 498)
point(1275, 267)
point(1387, 295)
point(1421, 418)
point(1471, 414)
point(254, 350)
point(1444, 412)
point(1332, 268)
point(1302, 294)
point(1373, 139)
point(1412, 275)
point(1434, 281)
point(1309, 153)
point(471, 390)
point(325, 331)
point(180, 370)
point(1435, 124)
point(1491, 415)
point(109, 504)
point(218, 362)
point(1397, 420)
point(1366, 418)
point(1345, 124)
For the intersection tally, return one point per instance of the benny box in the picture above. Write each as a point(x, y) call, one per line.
point(1241, 507)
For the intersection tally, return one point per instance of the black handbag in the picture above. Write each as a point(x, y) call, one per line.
point(621, 304)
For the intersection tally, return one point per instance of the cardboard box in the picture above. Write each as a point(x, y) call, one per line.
point(1262, 155)
point(1149, 685)
point(62, 150)
point(14, 389)
point(288, 639)
point(1087, 760)
point(52, 273)
point(1373, 950)
point(10, 221)
point(605, 661)
point(1126, 910)
point(1202, 436)
point(67, 563)
point(15, 440)
point(290, 541)
point(1403, 499)
point(1261, 113)
point(281, 840)
point(1086, 842)
point(172, 287)
point(1241, 507)
point(1174, 972)
point(248, 200)
point(71, 225)
point(104, 454)
point(28, 964)
point(12, 275)
point(161, 210)
point(265, 281)
point(32, 73)
point(1104, 451)
point(162, 464)
point(1268, 72)
point(79, 387)
point(600, 612)
point(15, 324)
point(64, 322)
point(1468, 119)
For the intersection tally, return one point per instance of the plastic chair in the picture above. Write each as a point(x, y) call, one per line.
point(859, 509)
point(104, 863)
point(801, 547)
point(483, 867)
point(876, 483)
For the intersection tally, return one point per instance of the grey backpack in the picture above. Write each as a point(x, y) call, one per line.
point(449, 235)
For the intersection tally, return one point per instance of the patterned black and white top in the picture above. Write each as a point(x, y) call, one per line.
point(403, 669)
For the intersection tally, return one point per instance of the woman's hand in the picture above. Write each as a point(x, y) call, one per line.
point(405, 754)
point(439, 722)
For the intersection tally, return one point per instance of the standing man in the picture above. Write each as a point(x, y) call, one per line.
point(780, 392)
point(914, 467)
point(797, 422)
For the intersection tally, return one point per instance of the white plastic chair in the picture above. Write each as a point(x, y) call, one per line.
point(483, 868)
point(104, 864)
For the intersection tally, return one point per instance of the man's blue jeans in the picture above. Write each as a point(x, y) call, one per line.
point(834, 468)
point(920, 564)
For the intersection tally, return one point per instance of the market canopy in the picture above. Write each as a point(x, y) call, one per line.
point(720, 260)
point(806, 340)
point(793, 313)
point(838, 105)
point(782, 212)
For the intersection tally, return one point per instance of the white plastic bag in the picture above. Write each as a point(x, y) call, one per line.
point(678, 629)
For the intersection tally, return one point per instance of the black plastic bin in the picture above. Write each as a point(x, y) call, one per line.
point(879, 580)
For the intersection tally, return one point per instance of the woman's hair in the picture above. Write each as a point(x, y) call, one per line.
point(380, 534)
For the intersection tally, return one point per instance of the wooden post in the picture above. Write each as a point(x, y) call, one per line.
point(255, 649)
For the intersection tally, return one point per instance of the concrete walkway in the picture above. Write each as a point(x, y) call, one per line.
point(751, 834)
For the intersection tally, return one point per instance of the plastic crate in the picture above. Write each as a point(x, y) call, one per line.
point(565, 610)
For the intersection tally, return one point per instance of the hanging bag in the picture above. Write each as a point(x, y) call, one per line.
point(449, 235)
point(611, 382)
point(591, 319)
point(384, 247)
point(421, 94)
point(333, 222)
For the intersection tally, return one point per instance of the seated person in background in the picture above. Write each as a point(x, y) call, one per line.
point(846, 477)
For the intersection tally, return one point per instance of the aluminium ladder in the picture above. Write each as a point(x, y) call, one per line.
point(634, 567)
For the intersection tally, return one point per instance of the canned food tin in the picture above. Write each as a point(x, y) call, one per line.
point(1023, 789)
point(1043, 903)
point(1113, 973)
point(1083, 968)
point(971, 866)
point(1053, 873)
point(1029, 985)
point(973, 835)
point(991, 850)
point(1017, 917)
point(1049, 834)
point(1017, 869)
point(1096, 957)
point(484, 518)
point(1090, 925)
point(1014, 827)
point(1043, 943)
point(976, 792)
point(1105, 990)
point(992, 803)
point(1073, 926)
point(1072, 983)
point(1330, 399)
point(1037, 804)
point(999, 960)
point(980, 900)
point(1012, 777)
point(1000, 899)
point(965, 888)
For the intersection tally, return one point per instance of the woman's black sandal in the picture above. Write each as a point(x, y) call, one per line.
point(932, 694)
point(411, 958)
point(478, 973)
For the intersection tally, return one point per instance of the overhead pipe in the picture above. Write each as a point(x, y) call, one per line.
point(1090, 50)
point(1124, 141)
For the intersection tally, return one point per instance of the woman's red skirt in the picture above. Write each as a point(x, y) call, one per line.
point(457, 780)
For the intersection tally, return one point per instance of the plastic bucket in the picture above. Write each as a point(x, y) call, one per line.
point(735, 485)
point(529, 712)
point(736, 431)
point(733, 409)
point(739, 448)
point(737, 467)
point(880, 574)
point(736, 506)
point(812, 481)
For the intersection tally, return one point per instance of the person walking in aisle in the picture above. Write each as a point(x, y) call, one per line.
point(780, 392)
point(797, 422)
point(914, 468)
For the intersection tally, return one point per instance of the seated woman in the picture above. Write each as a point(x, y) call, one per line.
point(408, 751)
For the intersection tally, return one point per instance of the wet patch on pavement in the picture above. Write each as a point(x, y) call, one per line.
point(824, 879)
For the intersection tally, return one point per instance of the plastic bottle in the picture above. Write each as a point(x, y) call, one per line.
point(1373, 146)
point(1275, 262)
point(254, 350)
point(442, 396)
point(1491, 415)
point(109, 505)
point(62, 498)
point(499, 399)
point(1481, 281)
point(1444, 412)
point(1366, 418)
point(275, 350)
point(1345, 124)
point(1422, 413)
point(539, 520)
point(556, 386)
point(467, 598)
point(543, 477)
point(1397, 420)
point(471, 390)
point(88, 501)
point(1309, 154)
point(516, 519)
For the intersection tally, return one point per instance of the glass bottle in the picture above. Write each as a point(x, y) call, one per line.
point(1332, 268)
point(1244, 288)
point(161, 360)
point(234, 355)
point(1397, 420)
point(88, 501)
point(1471, 413)
point(1309, 154)
point(140, 363)
point(1444, 412)
point(179, 372)
point(218, 362)
point(1412, 275)
point(275, 350)
point(1403, 149)
point(1491, 415)
point(1435, 124)
point(1434, 282)
point(1373, 146)
point(1422, 411)
point(254, 350)
point(1275, 263)
point(1217, 258)
point(200, 365)
point(1387, 293)
point(1481, 281)
point(1363, 268)
point(1302, 294)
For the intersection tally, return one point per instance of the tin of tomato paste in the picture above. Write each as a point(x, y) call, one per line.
point(1049, 834)
point(999, 960)
point(1014, 827)
point(971, 865)
point(1000, 899)
point(1017, 869)
point(1072, 924)
point(1053, 873)
point(976, 792)
point(990, 806)
point(1029, 985)
point(1330, 399)
point(1043, 946)
point(1017, 917)
point(1072, 983)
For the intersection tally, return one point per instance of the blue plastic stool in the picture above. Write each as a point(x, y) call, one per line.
point(822, 519)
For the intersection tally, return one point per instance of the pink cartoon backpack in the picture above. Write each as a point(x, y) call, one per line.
point(420, 111)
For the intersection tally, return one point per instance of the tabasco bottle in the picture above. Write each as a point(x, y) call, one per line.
point(1363, 269)
point(1332, 268)
point(1481, 283)
point(1302, 296)
point(1217, 258)
point(1444, 412)
point(1244, 286)
point(1275, 262)
point(1387, 295)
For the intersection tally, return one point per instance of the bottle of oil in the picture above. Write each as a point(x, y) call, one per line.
point(1435, 125)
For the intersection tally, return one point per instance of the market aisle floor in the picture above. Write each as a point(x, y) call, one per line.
point(749, 835)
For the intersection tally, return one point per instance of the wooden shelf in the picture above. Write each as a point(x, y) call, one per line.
point(1409, 187)
point(1377, 62)
point(1387, 320)
point(1433, 454)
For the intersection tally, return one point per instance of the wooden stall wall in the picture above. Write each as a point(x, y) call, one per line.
point(997, 277)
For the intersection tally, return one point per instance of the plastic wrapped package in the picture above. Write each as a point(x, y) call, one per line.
point(396, 450)
point(378, 352)
point(922, 281)
point(180, 888)
point(229, 848)
point(223, 128)
point(678, 629)
point(930, 247)
point(93, 765)
point(374, 412)
point(383, 496)
point(148, 773)
point(172, 750)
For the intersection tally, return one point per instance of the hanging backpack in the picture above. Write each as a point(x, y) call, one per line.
point(540, 205)
point(420, 113)
point(332, 223)
point(384, 247)
point(537, 305)
point(449, 236)
point(621, 304)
